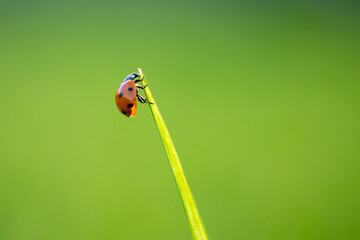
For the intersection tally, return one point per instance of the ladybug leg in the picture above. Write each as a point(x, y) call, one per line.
point(138, 80)
point(139, 86)
point(142, 99)
point(139, 97)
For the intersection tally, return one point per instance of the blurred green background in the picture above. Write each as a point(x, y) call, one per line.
point(262, 101)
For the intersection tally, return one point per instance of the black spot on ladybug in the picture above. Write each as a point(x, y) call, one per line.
point(130, 89)
point(130, 105)
point(120, 94)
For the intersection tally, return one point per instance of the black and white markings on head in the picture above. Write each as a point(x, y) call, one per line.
point(132, 76)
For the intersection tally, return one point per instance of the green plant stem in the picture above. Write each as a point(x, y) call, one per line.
point(196, 225)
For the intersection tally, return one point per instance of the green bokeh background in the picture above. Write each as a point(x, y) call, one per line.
point(262, 101)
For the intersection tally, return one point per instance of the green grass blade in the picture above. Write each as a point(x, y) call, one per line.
point(196, 225)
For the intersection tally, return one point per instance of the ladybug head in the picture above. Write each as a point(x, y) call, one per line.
point(132, 76)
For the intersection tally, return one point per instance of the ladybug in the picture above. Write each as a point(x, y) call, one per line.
point(127, 93)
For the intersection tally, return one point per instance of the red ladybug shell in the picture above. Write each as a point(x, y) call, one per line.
point(126, 98)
